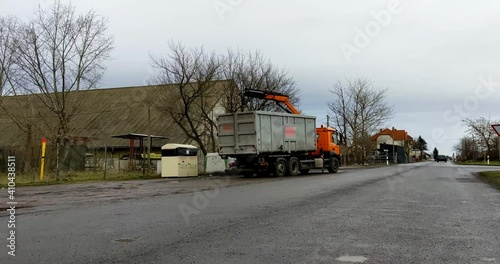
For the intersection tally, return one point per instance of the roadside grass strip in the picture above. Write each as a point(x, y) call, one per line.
point(482, 163)
point(491, 177)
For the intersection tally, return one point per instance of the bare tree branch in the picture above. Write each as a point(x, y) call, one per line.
point(60, 53)
point(481, 130)
point(56, 54)
point(194, 73)
point(254, 71)
point(359, 109)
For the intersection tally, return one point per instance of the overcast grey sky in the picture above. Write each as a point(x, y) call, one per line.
point(432, 55)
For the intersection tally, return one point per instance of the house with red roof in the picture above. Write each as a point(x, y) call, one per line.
point(399, 138)
point(392, 137)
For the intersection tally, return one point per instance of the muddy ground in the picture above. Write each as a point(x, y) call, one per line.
point(49, 198)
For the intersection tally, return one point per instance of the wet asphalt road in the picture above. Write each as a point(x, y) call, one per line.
point(417, 213)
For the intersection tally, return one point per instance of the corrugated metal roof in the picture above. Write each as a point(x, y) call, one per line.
point(101, 114)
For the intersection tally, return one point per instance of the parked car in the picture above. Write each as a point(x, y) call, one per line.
point(441, 158)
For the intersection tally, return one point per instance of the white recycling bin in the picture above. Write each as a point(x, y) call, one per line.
point(179, 160)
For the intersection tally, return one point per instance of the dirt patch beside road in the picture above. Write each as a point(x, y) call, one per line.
point(35, 199)
point(48, 198)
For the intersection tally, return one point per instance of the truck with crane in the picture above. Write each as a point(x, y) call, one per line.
point(281, 144)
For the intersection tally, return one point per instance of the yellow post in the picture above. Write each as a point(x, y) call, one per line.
point(42, 164)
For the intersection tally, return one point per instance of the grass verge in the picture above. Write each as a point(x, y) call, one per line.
point(492, 163)
point(492, 177)
point(74, 177)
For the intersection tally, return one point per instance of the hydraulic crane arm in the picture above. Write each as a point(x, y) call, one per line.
point(277, 97)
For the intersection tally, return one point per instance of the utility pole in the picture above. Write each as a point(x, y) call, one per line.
point(105, 160)
point(393, 147)
point(58, 158)
point(149, 139)
point(327, 121)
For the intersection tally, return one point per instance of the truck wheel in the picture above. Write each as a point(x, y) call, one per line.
point(304, 171)
point(334, 165)
point(294, 166)
point(280, 167)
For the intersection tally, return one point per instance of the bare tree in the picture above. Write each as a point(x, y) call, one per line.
point(59, 53)
point(23, 115)
point(481, 129)
point(466, 148)
point(358, 109)
point(194, 73)
point(254, 71)
point(8, 40)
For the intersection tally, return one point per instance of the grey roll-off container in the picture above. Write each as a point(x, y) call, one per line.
point(262, 133)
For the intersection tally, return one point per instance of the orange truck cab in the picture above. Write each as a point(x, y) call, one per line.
point(327, 141)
